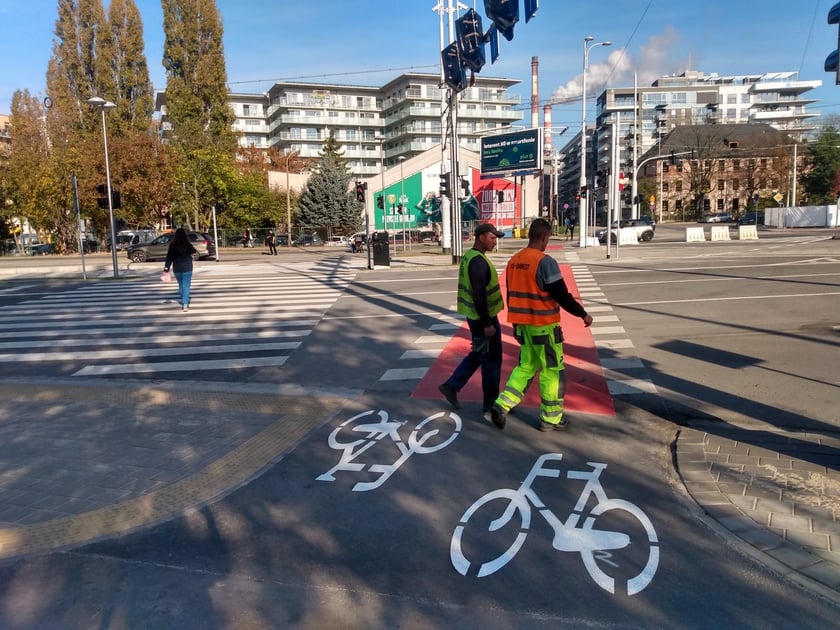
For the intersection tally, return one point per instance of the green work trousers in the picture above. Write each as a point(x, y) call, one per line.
point(540, 349)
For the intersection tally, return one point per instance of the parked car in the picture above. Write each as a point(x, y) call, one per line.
point(156, 249)
point(41, 249)
point(752, 218)
point(644, 231)
point(309, 240)
point(718, 217)
point(337, 241)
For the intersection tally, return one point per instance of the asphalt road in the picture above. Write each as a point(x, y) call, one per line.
point(348, 530)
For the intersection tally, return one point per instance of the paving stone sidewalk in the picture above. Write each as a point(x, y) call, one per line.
point(89, 460)
point(779, 491)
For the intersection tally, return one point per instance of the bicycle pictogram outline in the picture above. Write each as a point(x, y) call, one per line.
point(576, 534)
point(368, 429)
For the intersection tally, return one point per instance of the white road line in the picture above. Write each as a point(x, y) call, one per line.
point(404, 374)
point(631, 386)
point(608, 330)
point(146, 352)
point(427, 353)
point(181, 366)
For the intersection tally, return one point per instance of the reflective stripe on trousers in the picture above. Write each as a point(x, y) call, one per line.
point(541, 348)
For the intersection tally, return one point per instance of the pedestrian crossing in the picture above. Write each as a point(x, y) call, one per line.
point(624, 372)
point(240, 317)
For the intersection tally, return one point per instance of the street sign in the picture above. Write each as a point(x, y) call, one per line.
point(778, 197)
point(392, 199)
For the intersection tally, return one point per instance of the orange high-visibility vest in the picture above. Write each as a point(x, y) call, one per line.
point(527, 303)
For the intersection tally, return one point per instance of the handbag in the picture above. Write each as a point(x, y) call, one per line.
point(165, 277)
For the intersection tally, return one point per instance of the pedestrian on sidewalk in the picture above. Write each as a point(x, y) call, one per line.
point(536, 292)
point(480, 300)
point(570, 232)
point(271, 241)
point(179, 256)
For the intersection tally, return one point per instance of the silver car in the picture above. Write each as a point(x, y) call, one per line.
point(156, 249)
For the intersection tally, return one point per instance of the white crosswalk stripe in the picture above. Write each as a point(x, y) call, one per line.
point(239, 317)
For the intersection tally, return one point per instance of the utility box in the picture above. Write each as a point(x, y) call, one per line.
point(380, 250)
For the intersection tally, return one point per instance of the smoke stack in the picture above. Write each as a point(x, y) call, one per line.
point(535, 93)
point(547, 128)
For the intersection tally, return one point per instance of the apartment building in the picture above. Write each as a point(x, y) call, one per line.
point(376, 126)
point(644, 115)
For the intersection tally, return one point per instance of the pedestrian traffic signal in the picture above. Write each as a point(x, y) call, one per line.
point(380, 202)
point(470, 40)
point(399, 208)
point(444, 185)
point(360, 192)
point(583, 192)
point(102, 196)
point(465, 185)
point(116, 202)
point(599, 179)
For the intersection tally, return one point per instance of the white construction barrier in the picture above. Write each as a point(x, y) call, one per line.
point(720, 233)
point(695, 235)
point(628, 236)
point(747, 233)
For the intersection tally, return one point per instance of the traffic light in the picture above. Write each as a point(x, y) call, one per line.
point(444, 185)
point(599, 179)
point(577, 197)
point(399, 208)
point(116, 202)
point(360, 192)
point(380, 202)
point(102, 199)
point(465, 185)
point(454, 74)
point(471, 40)
point(504, 14)
point(831, 62)
point(583, 192)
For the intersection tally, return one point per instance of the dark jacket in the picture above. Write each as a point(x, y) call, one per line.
point(180, 261)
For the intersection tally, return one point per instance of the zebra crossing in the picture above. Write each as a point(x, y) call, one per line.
point(624, 372)
point(239, 317)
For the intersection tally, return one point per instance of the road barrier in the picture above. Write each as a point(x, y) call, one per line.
point(720, 233)
point(695, 235)
point(747, 233)
point(628, 236)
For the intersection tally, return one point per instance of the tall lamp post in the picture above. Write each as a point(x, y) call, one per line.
point(403, 200)
point(583, 218)
point(101, 104)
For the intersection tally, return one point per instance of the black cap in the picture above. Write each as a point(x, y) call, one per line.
point(484, 228)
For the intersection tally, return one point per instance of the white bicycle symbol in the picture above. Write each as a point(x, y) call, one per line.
point(592, 544)
point(440, 431)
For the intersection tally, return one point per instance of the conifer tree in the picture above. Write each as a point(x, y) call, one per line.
point(327, 201)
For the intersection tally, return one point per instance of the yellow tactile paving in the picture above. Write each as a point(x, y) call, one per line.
point(298, 415)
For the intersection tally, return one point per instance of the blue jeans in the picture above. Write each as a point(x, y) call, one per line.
point(184, 279)
point(490, 363)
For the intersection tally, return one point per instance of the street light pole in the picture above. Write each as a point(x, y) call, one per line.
point(583, 215)
point(101, 104)
point(402, 198)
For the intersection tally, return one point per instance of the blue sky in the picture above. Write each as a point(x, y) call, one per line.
point(369, 42)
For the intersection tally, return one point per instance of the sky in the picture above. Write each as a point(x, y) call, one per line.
point(370, 42)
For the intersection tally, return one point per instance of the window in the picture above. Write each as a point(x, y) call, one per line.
point(665, 205)
point(721, 184)
point(246, 110)
point(664, 187)
point(664, 166)
point(678, 186)
point(722, 165)
point(736, 164)
point(707, 204)
point(720, 205)
point(763, 162)
point(736, 184)
point(678, 204)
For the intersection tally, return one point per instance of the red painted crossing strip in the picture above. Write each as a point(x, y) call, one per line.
point(586, 387)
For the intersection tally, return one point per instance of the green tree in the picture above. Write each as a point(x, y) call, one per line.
point(821, 179)
point(327, 201)
point(197, 101)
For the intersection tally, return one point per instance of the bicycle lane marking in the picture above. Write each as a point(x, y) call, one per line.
point(587, 390)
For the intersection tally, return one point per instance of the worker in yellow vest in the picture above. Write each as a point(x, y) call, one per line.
point(480, 300)
point(536, 292)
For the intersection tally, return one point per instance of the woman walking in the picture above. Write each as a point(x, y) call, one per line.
point(179, 256)
point(271, 241)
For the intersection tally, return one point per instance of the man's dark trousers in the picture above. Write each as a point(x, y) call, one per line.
point(490, 363)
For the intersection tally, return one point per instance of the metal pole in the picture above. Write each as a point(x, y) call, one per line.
point(79, 225)
point(215, 233)
point(110, 200)
point(635, 211)
point(583, 218)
